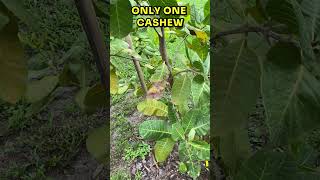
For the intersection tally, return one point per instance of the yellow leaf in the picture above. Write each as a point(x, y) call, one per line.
point(202, 35)
point(152, 107)
point(113, 82)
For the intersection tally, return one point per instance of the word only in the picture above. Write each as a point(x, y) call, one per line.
point(160, 11)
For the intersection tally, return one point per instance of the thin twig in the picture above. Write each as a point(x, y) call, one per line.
point(123, 57)
point(154, 161)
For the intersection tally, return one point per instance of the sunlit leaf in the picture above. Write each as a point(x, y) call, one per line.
point(163, 148)
point(154, 130)
point(120, 23)
point(114, 86)
point(152, 107)
point(181, 90)
point(177, 132)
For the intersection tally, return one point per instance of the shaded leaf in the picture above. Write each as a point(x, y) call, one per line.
point(17, 8)
point(284, 13)
point(266, 165)
point(237, 84)
point(292, 98)
point(13, 65)
point(234, 148)
point(97, 144)
point(39, 89)
point(92, 98)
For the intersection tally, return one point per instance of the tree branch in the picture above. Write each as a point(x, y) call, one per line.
point(266, 31)
point(164, 55)
point(137, 67)
point(90, 25)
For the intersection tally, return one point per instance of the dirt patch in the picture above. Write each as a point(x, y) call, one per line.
point(149, 170)
point(53, 145)
point(82, 167)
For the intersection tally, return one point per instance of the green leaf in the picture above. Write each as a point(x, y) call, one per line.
point(120, 22)
point(237, 84)
point(234, 148)
point(123, 89)
point(199, 89)
point(191, 134)
point(284, 13)
point(40, 89)
point(183, 167)
point(306, 38)
point(266, 165)
point(198, 66)
point(16, 7)
point(13, 65)
point(92, 98)
point(190, 119)
point(172, 113)
point(152, 107)
point(199, 47)
point(202, 126)
point(206, 9)
point(97, 144)
point(194, 169)
point(290, 100)
point(67, 77)
point(96, 97)
point(177, 132)
point(187, 154)
point(160, 74)
point(312, 9)
point(181, 90)
point(163, 148)
point(200, 149)
point(101, 8)
point(154, 130)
